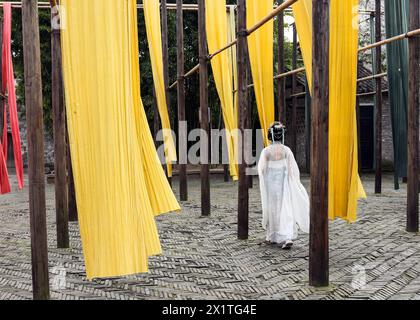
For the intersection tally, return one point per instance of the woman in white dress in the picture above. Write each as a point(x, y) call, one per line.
point(285, 201)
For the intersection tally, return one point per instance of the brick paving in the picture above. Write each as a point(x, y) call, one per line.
point(371, 259)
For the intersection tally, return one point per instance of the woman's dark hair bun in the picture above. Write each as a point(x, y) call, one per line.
point(276, 132)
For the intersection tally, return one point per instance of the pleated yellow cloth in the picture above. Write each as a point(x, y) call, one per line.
point(302, 12)
point(261, 55)
point(154, 37)
point(223, 73)
point(345, 186)
point(120, 184)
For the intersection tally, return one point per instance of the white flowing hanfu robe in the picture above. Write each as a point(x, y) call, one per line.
point(285, 201)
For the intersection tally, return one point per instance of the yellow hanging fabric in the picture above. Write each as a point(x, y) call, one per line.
point(117, 172)
point(261, 54)
point(154, 36)
point(223, 73)
point(302, 11)
point(345, 186)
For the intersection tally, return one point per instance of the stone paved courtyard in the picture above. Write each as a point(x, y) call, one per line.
point(371, 259)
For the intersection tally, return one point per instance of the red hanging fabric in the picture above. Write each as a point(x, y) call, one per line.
point(4, 175)
point(9, 87)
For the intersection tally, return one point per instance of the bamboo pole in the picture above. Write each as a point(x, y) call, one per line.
point(370, 93)
point(34, 118)
point(60, 143)
point(183, 178)
point(297, 95)
point(318, 247)
point(378, 101)
point(229, 45)
point(410, 34)
point(189, 73)
point(270, 16)
point(243, 191)
point(289, 73)
point(413, 122)
point(204, 110)
point(376, 76)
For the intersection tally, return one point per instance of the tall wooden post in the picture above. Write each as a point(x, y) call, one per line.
point(318, 251)
point(73, 216)
point(281, 87)
point(243, 192)
point(182, 137)
point(34, 118)
point(60, 143)
point(378, 115)
point(293, 145)
point(156, 123)
point(226, 175)
point(204, 110)
point(249, 124)
point(413, 122)
point(165, 56)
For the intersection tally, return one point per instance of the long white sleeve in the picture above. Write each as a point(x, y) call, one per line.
point(262, 168)
point(298, 193)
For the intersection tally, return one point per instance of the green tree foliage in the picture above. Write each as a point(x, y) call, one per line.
point(17, 49)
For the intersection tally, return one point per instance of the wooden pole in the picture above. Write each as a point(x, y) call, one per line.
point(60, 143)
point(165, 56)
point(156, 123)
point(71, 190)
point(34, 118)
point(413, 122)
point(378, 100)
point(204, 110)
point(318, 251)
point(183, 179)
point(73, 215)
point(243, 192)
point(410, 34)
point(249, 123)
point(293, 144)
point(270, 16)
point(281, 86)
